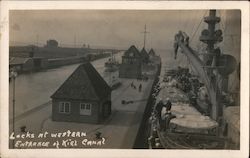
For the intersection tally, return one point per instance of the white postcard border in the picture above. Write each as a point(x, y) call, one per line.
point(125, 5)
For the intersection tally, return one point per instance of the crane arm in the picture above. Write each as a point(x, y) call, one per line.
point(182, 41)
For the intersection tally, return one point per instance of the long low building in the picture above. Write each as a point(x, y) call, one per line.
point(22, 64)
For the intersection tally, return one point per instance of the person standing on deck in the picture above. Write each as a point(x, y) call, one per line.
point(158, 108)
point(163, 112)
point(168, 104)
point(166, 114)
point(163, 118)
point(168, 117)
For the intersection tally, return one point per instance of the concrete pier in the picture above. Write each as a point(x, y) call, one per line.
point(120, 130)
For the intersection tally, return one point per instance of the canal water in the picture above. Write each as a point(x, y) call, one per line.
point(35, 89)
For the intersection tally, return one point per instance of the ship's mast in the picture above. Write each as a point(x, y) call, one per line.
point(211, 36)
point(145, 33)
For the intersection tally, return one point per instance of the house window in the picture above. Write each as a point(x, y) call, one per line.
point(85, 108)
point(64, 107)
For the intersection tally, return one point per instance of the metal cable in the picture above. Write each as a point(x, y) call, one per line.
point(198, 27)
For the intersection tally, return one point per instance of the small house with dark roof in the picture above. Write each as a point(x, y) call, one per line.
point(83, 97)
point(131, 66)
point(145, 56)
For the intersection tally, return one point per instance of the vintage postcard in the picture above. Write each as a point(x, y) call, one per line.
point(145, 78)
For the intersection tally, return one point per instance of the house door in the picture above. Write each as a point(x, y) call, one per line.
point(106, 109)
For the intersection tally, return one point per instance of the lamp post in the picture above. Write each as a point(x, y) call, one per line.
point(13, 75)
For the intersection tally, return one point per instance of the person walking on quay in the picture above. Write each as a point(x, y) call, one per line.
point(140, 87)
point(132, 85)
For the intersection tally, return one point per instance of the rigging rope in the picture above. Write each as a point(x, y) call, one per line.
point(198, 26)
point(222, 21)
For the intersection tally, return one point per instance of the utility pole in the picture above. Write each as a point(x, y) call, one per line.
point(75, 45)
point(37, 38)
point(74, 40)
point(145, 33)
point(13, 75)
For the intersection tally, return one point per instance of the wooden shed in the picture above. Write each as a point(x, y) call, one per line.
point(83, 97)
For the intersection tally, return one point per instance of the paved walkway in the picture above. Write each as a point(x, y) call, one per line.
point(121, 128)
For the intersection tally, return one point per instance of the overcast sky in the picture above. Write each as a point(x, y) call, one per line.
point(99, 28)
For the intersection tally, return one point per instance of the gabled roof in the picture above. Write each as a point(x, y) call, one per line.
point(151, 52)
point(132, 50)
point(85, 83)
point(18, 60)
point(144, 53)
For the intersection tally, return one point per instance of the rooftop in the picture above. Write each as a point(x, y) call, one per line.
point(85, 83)
point(132, 51)
point(17, 60)
point(151, 52)
point(144, 52)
